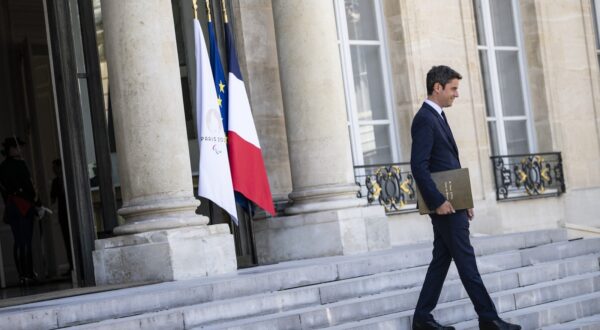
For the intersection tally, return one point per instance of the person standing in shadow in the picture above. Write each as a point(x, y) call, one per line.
point(19, 200)
point(57, 195)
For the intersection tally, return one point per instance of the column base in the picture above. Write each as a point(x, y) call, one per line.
point(165, 255)
point(299, 208)
point(324, 198)
point(159, 213)
point(320, 234)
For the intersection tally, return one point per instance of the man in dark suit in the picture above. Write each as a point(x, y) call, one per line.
point(434, 150)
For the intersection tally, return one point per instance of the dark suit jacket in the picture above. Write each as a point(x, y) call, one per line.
point(433, 150)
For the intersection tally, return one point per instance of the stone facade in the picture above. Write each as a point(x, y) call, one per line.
point(290, 59)
point(564, 87)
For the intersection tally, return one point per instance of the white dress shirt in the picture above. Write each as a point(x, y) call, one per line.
point(435, 106)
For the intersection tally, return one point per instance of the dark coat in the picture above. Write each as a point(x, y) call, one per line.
point(15, 181)
point(433, 150)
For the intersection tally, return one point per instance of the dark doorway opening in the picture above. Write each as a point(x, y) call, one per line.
point(51, 97)
point(27, 109)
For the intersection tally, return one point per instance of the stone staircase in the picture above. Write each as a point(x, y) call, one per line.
point(538, 279)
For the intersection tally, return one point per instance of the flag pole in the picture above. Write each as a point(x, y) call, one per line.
point(225, 19)
point(208, 10)
point(195, 5)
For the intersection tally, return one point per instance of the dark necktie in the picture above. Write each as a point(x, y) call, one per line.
point(449, 132)
point(445, 120)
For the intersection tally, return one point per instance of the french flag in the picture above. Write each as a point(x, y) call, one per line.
point(245, 157)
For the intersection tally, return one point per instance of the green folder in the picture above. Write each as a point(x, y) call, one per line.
point(455, 185)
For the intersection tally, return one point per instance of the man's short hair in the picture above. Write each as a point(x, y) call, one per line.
point(440, 74)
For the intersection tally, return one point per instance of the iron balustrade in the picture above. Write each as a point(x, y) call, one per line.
point(521, 176)
point(528, 176)
point(390, 185)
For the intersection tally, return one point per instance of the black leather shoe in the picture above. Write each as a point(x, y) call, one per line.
point(429, 325)
point(498, 325)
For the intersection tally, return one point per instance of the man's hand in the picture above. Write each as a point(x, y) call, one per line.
point(470, 214)
point(445, 208)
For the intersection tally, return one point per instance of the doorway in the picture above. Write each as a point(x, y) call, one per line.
point(51, 97)
point(28, 113)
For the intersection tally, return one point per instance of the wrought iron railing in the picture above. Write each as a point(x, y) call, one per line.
point(390, 185)
point(528, 175)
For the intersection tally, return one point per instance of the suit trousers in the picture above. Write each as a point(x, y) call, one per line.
point(451, 242)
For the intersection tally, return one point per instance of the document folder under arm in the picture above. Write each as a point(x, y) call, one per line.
point(455, 185)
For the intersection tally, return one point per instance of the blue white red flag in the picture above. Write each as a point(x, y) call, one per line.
point(248, 171)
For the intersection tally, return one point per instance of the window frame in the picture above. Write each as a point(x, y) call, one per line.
point(596, 19)
point(490, 51)
point(344, 46)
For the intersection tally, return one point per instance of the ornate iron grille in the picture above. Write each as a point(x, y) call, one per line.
point(528, 175)
point(390, 185)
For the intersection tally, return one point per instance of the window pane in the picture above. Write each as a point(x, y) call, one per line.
point(360, 15)
point(487, 85)
point(375, 140)
point(503, 23)
point(479, 22)
point(493, 131)
point(516, 137)
point(511, 90)
point(368, 82)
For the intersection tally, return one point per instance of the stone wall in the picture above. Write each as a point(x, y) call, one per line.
point(564, 88)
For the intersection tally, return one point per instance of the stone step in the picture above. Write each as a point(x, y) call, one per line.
point(324, 293)
point(559, 250)
point(570, 293)
point(552, 313)
point(286, 300)
point(399, 306)
point(419, 255)
point(407, 278)
point(163, 296)
point(585, 323)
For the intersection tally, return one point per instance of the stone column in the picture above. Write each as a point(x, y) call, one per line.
point(150, 129)
point(314, 105)
point(326, 218)
point(164, 238)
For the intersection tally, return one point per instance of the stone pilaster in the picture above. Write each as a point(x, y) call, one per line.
point(567, 65)
point(162, 231)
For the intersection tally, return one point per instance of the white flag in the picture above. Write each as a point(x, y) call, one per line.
point(214, 179)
